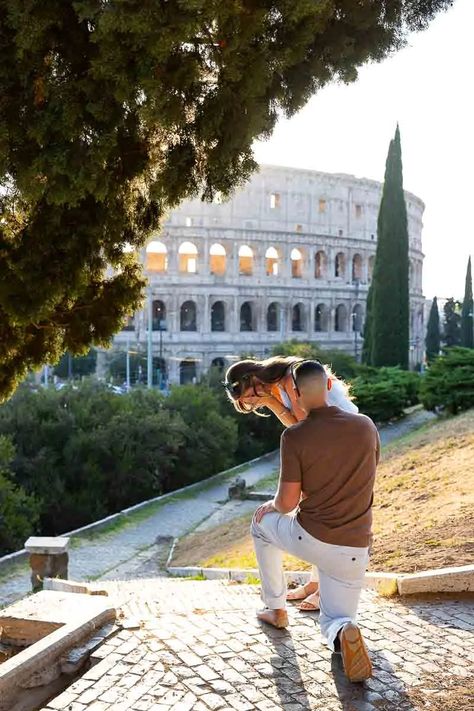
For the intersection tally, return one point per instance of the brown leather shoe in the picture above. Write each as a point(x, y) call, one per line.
point(277, 618)
point(355, 655)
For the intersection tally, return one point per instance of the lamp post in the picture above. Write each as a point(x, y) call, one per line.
point(355, 325)
point(149, 340)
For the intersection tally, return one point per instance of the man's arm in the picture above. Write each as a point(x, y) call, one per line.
point(288, 494)
point(377, 447)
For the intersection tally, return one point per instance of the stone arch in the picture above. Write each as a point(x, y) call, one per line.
point(218, 363)
point(246, 316)
point(218, 316)
point(274, 317)
point(187, 254)
point(340, 265)
point(218, 259)
point(158, 315)
point(296, 257)
point(356, 267)
point(188, 316)
point(272, 262)
point(321, 318)
point(298, 317)
point(246, 258)
point(357, 318)
point(187, 371)
point(320, 264)
point(340, 320)
point(156, 257)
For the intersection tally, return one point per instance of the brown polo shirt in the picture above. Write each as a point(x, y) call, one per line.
point(334, 455)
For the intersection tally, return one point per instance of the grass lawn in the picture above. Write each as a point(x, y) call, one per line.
point(423, 508)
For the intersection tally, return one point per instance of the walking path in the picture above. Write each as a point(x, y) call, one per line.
point(197, 646)
point(140, 548)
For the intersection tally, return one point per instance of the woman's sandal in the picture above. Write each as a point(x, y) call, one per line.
point(310, 603)
point(301, 593)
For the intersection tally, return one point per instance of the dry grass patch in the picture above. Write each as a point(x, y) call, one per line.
point(423, 508)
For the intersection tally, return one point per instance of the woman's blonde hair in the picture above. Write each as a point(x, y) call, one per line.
point(240, 376)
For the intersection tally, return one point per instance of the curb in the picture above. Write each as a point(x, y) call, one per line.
point(7, 561)
point(459, 579)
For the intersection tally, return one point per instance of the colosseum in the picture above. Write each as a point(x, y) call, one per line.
point(290, 256)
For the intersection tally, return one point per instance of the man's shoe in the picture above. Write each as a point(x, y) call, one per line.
point(277, 618)
point(355, 655)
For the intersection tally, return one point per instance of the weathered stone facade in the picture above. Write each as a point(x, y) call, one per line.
point(289, 256)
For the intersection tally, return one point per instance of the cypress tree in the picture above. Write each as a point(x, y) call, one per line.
point(467, 322)
point(389, 308)
point(452, 323)
point(433, 339)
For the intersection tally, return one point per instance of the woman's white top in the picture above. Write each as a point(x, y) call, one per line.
point(336, 396)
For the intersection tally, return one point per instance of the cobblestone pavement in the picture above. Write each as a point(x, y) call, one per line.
point(199, 647)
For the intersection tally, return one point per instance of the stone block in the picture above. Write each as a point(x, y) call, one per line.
point(237, 489)
point(460, 579)
point(47, 545)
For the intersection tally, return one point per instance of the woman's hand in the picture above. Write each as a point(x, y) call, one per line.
point(263, 509)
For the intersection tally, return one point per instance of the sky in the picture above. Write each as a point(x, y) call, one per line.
point(427, 88)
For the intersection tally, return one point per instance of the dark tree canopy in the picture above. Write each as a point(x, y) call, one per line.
point(112, 111)
point(467, 319)
point(452, 323)
point(433, 339)
point(387, 323)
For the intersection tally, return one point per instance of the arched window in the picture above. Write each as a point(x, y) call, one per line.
point(297, 318)
point(159, 316)
point(296, 263)
point(218, 316)
point(218, 259)
point(341, 318)
point(187, 258)
point(272, 262)
point(320, 265)
point(219, 364)
point(273, 317)
point(357, 318)
point(245, 260)
point(340, 265)
point(246, 316)
point(356, 267)
point(371, 267)
point(321, 317)
point(156, 257)
point(187, 371)
point(188, 321)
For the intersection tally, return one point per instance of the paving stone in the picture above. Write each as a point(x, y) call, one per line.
point(267, 669)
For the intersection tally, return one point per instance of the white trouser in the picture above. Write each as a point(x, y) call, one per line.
point(341, 570)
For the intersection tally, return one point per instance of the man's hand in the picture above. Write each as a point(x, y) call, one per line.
point(263, 509)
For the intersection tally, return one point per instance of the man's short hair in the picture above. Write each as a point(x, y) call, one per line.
point(306, 370)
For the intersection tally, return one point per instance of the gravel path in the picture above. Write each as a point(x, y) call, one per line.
point(140, 548)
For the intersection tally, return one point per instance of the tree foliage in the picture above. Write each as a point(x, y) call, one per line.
point(113, 112)
point(433, 338)
point(467, 317)
point(449, 381)
point(387, 329)
point(452, 323)
point(19, 512)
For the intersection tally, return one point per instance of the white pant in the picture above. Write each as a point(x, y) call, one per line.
point(341, 570)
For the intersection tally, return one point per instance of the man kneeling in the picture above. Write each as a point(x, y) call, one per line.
point(322, 513)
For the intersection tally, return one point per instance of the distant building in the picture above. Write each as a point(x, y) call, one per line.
point(290, 256)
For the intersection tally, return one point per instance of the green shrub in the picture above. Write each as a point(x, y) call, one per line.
point(19, 512)
point(380, 400)
point(449, 381)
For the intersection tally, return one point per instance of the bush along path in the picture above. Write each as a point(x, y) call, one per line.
point(138, 545)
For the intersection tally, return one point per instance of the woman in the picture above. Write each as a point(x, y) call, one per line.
point(253, 384)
